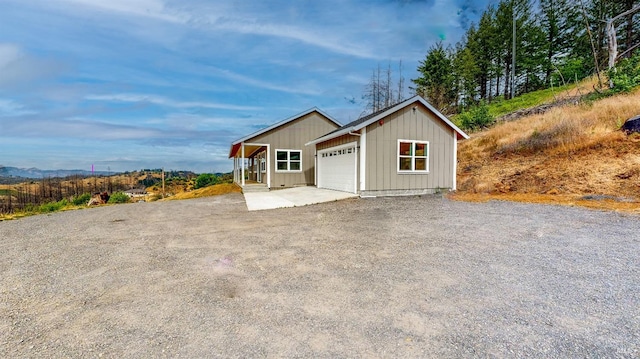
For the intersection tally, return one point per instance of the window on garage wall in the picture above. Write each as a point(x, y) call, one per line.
point(413, 156)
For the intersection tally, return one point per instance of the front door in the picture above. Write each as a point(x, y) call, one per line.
point(262, 166)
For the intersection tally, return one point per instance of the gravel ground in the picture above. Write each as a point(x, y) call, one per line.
point(390, 277)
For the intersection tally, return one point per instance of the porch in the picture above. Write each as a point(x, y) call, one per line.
point(251, 166)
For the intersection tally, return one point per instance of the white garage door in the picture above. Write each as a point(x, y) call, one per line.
point(337, 168)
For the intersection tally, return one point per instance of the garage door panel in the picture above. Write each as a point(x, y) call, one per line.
point(337, 168)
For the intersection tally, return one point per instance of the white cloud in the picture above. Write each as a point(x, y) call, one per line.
point(230, 75)
point(18, 68)
point(76, 128)
point(315, 37)
point(154, 9)
point(9, 53)
point(10, 108)
point(215, 17)
point(163, 101)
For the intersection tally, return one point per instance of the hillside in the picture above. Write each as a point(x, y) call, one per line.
point(573, 155)
point(17, 175)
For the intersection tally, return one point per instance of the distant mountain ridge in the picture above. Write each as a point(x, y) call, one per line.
point(38, 173)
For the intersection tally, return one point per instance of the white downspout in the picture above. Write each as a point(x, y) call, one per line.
point(455, 159)
point(363, 158)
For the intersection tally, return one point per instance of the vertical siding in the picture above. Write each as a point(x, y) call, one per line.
point(293, 136)
point(342, 140)
point(382, 148)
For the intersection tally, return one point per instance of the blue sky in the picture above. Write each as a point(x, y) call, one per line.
point(132, 84)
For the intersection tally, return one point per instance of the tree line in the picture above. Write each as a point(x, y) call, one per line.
point(46, 190)
point(556, 42)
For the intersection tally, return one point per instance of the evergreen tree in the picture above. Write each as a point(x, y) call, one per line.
point(436, 81)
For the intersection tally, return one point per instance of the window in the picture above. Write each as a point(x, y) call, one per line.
point(288, 160)
point(413, 156)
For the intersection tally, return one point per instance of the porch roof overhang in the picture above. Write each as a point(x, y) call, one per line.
point(234, 149)
point(249, 149)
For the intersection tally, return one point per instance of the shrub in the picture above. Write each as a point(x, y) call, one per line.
point(119, 197)
point(626, 75)
point(568, 71)
point(206, 179)
point(52, 206)
point(81, 199)
point(476, 118)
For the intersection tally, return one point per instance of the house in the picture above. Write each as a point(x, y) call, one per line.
point(276, 156)
point(409, 148)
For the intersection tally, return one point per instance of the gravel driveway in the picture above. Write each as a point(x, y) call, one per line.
point(387, 277)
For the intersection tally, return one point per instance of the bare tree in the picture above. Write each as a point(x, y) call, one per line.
point(612, 42)
point(379, 92)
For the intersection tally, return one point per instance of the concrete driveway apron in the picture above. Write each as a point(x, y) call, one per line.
point(293, 197)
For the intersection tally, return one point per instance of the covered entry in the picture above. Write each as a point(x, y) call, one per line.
point(251, 163)
point(337, 168)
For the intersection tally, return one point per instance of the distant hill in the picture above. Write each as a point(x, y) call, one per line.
point(38, 173)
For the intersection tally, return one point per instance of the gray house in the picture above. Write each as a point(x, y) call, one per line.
point(408, 148)
point(276, 156)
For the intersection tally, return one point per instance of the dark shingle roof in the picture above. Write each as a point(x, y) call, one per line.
point(361, 120)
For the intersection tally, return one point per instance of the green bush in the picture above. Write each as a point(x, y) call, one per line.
point(52, 206)
point(476, 118)
point(81, 199)
point(119, 197)
point(626, 75)
point(568, 71)
point(206, 179)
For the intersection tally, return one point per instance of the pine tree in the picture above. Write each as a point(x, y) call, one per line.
point(436, 81)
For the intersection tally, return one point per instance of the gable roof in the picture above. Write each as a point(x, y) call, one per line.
point(376, 116)
point(236, 144)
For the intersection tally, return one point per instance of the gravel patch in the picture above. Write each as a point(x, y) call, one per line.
point(386, 277)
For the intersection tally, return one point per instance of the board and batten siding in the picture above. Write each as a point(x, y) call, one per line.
point(342, 140)
point(382, 151)
point(293, 136)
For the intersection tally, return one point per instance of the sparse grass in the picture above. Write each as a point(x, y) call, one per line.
point(214, 190)
point(563, 154)
point(536, 98)
point(8, 191)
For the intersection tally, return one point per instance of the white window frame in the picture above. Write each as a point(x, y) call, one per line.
point(288, 151)
point(413, 156)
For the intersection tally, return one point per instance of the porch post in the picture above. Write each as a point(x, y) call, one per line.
point(242, 168)
point(268, 167)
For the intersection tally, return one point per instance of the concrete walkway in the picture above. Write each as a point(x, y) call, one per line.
point(292, 197)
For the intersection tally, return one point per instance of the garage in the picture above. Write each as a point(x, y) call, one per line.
point(337, 168)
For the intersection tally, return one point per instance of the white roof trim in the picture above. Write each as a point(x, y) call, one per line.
point(387, 113)
point(276, 125)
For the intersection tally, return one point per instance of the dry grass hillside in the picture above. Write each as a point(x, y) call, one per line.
point(214, 190)
point(572, 155)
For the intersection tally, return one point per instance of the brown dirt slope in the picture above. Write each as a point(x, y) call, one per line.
point(573, 155)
